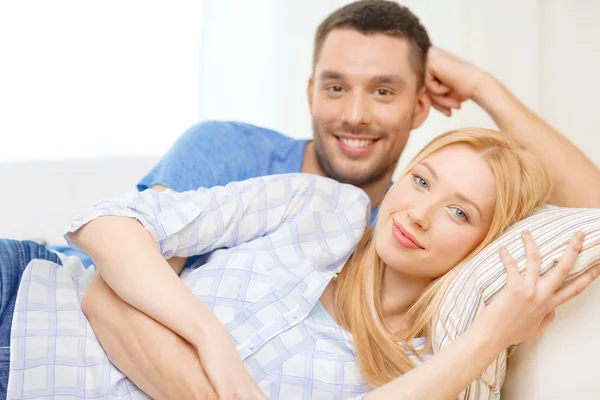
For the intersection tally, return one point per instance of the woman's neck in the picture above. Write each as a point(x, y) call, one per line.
point(398, 293)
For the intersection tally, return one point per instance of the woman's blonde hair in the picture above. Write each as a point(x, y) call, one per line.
point(522, 184)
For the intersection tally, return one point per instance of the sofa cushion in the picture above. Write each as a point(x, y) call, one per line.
point(484, 275)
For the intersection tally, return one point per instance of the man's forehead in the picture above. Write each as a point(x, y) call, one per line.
point(350, 52)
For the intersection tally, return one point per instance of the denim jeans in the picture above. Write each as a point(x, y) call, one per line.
point(14, 257)
point(67, 251)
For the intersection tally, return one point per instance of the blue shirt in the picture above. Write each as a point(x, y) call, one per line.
point(214, 153)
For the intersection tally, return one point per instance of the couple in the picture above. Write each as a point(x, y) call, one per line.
point(296, 294)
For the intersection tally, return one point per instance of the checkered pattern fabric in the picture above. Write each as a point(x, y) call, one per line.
point(272, 246)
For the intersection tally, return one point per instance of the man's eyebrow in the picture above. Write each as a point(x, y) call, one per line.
point(329, 74)
point(389, 78)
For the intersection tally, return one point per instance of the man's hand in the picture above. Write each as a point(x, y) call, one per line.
point(450, 80)
point(157, 360)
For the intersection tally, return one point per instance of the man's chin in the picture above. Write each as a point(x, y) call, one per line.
point(354, 178)
point(357, 172)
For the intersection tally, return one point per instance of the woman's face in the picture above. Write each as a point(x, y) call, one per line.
point(437, 213)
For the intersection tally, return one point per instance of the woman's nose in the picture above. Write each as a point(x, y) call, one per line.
point(419, 217)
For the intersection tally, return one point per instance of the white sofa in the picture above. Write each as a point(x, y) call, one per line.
point(40, 198)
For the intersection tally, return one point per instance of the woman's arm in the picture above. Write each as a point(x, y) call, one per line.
point(154, 358)
point(518, 313)
point(126, 257)
point(185, 224)
point(192, 223)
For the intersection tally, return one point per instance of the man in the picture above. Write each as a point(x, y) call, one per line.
point(363, 109)
point(369, 88)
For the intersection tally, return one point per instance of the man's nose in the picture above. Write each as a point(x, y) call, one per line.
point(358, 109)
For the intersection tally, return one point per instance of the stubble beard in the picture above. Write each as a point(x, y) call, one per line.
point(376, 172)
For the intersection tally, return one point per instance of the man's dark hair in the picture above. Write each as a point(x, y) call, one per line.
point(379, 16)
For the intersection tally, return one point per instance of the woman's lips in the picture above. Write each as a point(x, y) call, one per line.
point(404, 238)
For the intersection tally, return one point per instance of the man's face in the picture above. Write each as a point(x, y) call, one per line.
point(364, 102)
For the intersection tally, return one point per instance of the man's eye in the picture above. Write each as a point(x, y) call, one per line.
point(335, 88)
point(384, 92)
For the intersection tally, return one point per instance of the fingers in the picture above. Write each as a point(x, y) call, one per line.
point(575, 287)
point(435, 86)
point(445, 101)
point(547, 320)
point(558, 274)
point(446, 111)
point(512, 271)
point(534, 260)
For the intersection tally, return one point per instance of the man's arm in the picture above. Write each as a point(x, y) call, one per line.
point(451, 80)
point(576, 180)
point(153, 357)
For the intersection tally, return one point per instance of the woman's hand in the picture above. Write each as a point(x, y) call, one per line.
point(224, 368)
point(517, 313)
point(525, 306)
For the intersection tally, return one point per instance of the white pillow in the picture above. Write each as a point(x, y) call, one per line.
point(484, 275)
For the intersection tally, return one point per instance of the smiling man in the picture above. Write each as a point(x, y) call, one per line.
point(366, 94)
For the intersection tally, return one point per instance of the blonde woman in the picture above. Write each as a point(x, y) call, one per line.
point(296, 297)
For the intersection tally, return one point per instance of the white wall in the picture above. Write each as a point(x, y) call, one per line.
point(569, 65)
point(81, 78)
point(256, 61)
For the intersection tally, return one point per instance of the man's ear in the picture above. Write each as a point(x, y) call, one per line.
point(309, 92)
point(421, 110)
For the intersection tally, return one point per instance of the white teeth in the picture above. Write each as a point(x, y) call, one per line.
point(356, 143)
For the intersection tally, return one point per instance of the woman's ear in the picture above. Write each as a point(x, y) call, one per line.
point(421, 110)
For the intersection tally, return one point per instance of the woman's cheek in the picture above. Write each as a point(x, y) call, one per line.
point(457, 245)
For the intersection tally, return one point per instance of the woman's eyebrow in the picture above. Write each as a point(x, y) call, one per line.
point(459, 195)
point(467, 200)
point(431, 170)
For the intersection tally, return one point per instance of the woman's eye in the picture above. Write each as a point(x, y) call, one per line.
point(460, 214)
point(421, 182)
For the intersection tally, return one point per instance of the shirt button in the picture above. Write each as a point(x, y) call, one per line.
point(252, 346)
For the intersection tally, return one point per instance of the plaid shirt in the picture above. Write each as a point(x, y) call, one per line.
point(271, 246)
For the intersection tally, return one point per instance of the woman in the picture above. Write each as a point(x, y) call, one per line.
point(287, 290)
